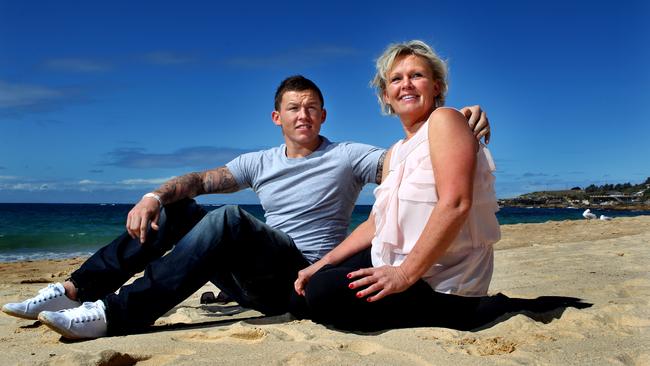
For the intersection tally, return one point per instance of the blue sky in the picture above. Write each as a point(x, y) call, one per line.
point(102, 101)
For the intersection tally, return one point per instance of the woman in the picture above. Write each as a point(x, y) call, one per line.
point(424, 255)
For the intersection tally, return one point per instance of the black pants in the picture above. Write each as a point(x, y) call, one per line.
point(250, 261)
point(330, 301)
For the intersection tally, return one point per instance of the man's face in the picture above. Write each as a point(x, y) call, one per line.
point(300, 117)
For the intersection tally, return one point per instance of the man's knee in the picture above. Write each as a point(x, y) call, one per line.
point(184, 213)
point(227, 217)
point(226, 212)
point(182, 207)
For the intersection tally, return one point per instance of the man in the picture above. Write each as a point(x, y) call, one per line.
point(308, 187)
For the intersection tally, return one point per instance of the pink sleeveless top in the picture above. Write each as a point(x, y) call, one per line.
point(403, 204)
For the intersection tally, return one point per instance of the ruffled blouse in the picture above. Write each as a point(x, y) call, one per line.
point(403, 204)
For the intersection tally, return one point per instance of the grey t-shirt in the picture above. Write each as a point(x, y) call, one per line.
point(311, 198)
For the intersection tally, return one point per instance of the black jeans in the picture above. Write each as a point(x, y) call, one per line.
point(330, 301)
point(250, 261)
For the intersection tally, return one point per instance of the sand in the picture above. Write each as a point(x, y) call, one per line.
point(603, 263)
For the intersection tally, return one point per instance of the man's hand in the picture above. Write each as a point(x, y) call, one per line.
point(141, 215)
point(147, 211)
point(380, 281)
point(304, 275)
point(478, 122)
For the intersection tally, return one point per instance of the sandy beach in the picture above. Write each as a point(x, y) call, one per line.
point(603, 263)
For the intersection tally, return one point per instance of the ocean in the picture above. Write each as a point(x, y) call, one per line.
point(50, 231)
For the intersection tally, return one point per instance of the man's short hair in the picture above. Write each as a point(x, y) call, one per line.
point(296, 83)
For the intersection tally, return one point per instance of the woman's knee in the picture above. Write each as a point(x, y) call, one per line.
point(325, 287)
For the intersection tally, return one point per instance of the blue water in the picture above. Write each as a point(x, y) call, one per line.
point(38, 231)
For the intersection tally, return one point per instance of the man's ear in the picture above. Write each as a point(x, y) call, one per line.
point(324, 116)
point(275, 116)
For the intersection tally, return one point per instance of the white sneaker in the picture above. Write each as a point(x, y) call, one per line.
point(50, 298)
point(85, 321)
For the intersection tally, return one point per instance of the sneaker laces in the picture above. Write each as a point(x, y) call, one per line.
point(47, 293)
point(88, 311)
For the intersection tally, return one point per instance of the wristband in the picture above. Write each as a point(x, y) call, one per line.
point(154, 196)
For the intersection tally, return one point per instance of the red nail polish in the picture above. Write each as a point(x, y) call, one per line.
point(359, 294)
point(349, 275)
point(351, 286)
point(368, 299)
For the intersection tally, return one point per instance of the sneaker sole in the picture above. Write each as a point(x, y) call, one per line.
point(19, 315)
point(63, 332)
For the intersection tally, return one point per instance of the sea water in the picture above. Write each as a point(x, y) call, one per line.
point(48, 231)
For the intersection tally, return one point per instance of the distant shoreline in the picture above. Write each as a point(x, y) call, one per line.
point(619, 207)
point(505, 202)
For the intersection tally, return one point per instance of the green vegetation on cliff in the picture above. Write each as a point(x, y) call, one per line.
point(623, 195)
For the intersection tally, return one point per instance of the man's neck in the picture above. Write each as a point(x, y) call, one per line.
point(295, 150)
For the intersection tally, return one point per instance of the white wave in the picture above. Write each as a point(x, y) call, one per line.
point(19, 257)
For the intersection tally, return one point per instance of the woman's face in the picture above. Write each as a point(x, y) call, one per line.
point(411, 89)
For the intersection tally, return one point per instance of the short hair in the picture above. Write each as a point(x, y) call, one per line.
point(415, 47)
point(296, 83)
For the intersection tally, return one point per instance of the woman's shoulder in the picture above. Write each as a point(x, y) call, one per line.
point(445, 113)
point(448, 126)
point(445, 118)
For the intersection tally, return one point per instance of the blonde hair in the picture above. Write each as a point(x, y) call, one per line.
point(415, 47)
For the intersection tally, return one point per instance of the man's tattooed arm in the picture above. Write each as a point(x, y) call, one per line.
point(219, 180)
point(380, 167)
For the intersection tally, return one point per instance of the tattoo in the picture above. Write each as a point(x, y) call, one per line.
point(190, 185)
point(380, 167)
point(219, 180)
point(180, 187)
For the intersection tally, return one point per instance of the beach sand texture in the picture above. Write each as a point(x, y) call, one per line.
point(605, 263)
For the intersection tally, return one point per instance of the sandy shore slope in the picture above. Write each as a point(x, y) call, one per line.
point(603, 263)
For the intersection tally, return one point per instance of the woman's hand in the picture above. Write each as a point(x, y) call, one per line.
point(381, 281)
point(303, 277)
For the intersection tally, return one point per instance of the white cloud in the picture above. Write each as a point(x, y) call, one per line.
point(25, 95)
point(13, 183)
point(77, 65)
point(25, 187)
point(139, 181)
point(143, 181)
point(18, 100)
point(201, 157)
point(168, 58)
point(305, 56)
point(88, 181)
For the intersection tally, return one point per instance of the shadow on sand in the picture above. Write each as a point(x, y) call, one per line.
point(499, 308)
point(491, 310)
